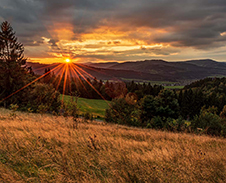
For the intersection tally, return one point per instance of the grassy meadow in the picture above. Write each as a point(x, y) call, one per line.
point(96, 107)
point(173, 87)
point(46, 148)
point(165, 84)
point(150, 81)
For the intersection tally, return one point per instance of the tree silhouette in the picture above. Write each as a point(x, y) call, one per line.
point(13, 72)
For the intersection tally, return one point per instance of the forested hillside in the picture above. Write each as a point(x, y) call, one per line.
point(152, 70)
point(200, 106)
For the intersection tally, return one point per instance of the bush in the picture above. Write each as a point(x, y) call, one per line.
point(88, 116)
point(223, 113)
point(157, 122)
point(163, 106)
point(70, 107)
point(42, 109)
point(147, 109)
point(44, 98)
point(166, 104)
point(177, 125)
point(207, 122)
point(122, 112)
point(13, 107)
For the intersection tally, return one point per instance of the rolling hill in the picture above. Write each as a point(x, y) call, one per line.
point(153, 70)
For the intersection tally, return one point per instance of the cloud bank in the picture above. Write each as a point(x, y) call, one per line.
point(118, 30)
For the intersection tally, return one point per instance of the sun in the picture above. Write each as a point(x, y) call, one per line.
point(67, 60)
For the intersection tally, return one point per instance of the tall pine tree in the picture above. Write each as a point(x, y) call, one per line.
point(13, 72)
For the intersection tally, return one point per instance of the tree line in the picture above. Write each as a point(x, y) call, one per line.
point(98, 89)
point(199, 107)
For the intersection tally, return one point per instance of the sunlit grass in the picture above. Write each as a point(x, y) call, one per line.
point(45, 148)
point(96, 107)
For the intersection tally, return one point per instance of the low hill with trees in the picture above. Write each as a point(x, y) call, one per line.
point(198, 107)
point(151, 70)
point(170, 71)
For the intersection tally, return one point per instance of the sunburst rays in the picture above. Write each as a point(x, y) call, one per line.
point(66, 72)
point(40, 77)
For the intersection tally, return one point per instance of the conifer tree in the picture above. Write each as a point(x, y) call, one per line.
point(13, 72)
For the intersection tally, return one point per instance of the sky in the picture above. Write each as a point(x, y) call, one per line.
point(118, 30)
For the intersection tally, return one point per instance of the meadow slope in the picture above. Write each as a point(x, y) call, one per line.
point(45, 148)
point(96, 107)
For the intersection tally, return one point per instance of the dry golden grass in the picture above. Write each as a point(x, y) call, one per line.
point(45, 148)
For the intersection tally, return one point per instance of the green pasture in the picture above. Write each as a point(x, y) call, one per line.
point(148, 81)
point(94, 106)
point(173, 87)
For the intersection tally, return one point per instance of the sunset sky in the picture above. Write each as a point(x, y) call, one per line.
point(118, 30)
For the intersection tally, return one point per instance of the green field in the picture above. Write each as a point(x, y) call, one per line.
point(163, 83)
point(96, 107)
point(173, 87)
point(149, 81)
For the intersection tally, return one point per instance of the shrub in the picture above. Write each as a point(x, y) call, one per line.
point(167, 105)
point(223, 113)
point(122, 112)
point(70, 107)
point(164, 106)
point(147, 109)
point(157, 122)
point(177, 125)
point(42, 108)
point(13, 107)
point(208, 122)
point(44, 98)
point(87, 116)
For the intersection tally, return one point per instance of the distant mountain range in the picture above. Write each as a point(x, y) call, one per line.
point(153, 70)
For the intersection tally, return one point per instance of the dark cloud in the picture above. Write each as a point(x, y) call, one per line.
point(193, 23)
point(53, 43)
point(135, 54)
point(117, 42)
